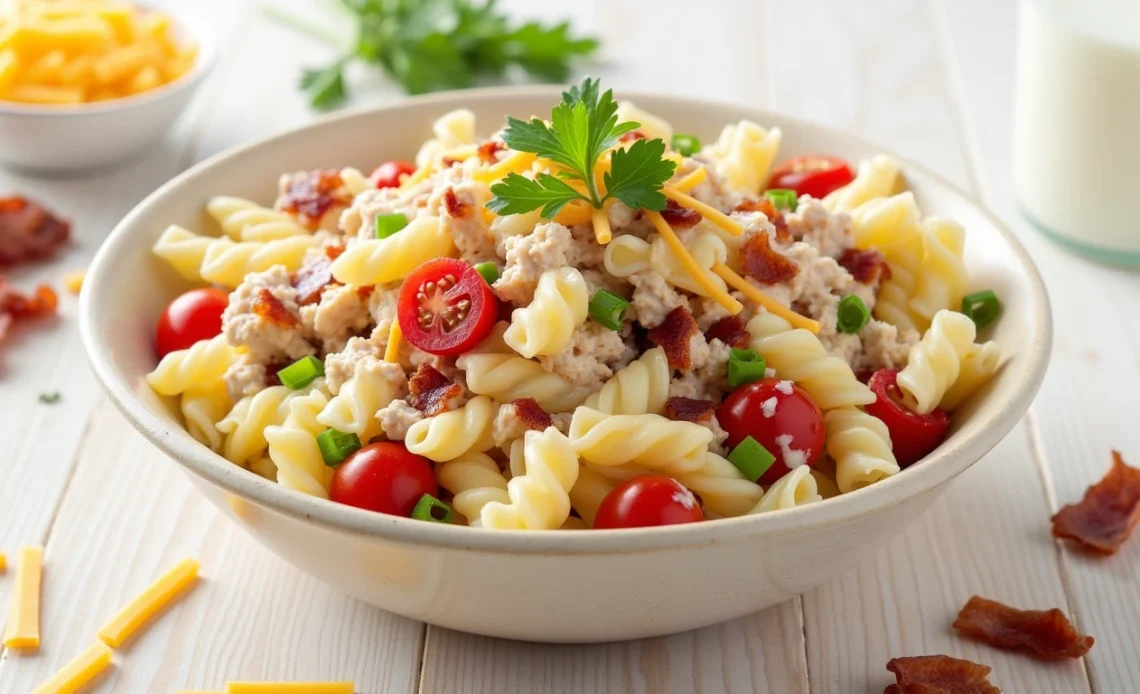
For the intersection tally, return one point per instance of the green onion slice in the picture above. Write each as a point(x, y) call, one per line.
point(336, 445)
point(686, 145)
point(607, 308)
point(388, 224)
point(752, 459)
point(301, 372)
point(745, 366)
point(489, 271)
point(782, 198)
point(431, 509)
point(981, 307)
point(852, 314)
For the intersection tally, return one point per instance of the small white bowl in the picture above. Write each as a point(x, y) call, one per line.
point(567, 586)
point(64, 138)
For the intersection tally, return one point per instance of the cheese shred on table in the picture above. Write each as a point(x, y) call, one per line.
point(150, 602)
point(23, 628)
point(81, 670)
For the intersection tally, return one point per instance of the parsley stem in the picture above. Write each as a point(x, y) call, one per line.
point(292, 20)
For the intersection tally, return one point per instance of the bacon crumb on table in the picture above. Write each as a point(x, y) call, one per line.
point(939, 674)
point(674, 335)
point(28, 231)
point(1046, 634)
point(1108, 512)
point(16, 305)
point(760, 262)
point(431, 390)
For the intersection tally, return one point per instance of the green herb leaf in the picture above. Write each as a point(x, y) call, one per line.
point(325, 86)
point(50, 398)
point(517, 194)
point(638, 173)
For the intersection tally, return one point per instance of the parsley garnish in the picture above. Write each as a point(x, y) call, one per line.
point(582, 128)
point(50, 398)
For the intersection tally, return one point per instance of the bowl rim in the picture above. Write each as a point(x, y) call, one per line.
point(197, 30)
point(945, 463)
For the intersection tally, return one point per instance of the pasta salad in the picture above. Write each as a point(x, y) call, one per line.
point(589, 321)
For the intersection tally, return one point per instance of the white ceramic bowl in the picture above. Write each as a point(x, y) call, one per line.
point(553, 585)
point(54, 139)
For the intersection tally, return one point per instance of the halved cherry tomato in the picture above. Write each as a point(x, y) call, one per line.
point(646, 501)
point(383, 477)
point(391, 173)
point(814, 175)
point(193, 316)
point(446, 307)
point(912, 435)
point(782, 418)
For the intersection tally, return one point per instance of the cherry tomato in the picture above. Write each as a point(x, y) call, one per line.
point(193, 316)
point(391, 173)
point(912, 435)
point(446, 307)
point(646, 501)
point(782, 418)
point(383, 477)
point(814, 175)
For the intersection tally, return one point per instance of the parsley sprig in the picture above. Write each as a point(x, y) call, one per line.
point(582, 128)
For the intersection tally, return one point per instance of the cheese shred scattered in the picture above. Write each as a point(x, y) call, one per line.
point(73, 281)
point(602, 226)
point(3, 562)
point(515, 163)
point(417, 176)
point(577, 212)
point(149, 603)
point(700, 276)
point(691, 181)
point(395, 336)
point(707, 211)
point(290, 688)
point(81, 670)
point(23, 628)
point(754, 294)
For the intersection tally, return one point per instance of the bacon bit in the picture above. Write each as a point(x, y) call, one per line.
point(366, 291)
point(16, 305)
point(867, 267)
point(1110, 509)
point(489, 149)
point(761, 263)
point(673, 335)
point(449, 162)
point(1044, 634)
point(310, 195)
point(431, 391)
point(28, 231)
point(681, 409)
point(271, 309)
point(731, 331)
point(680, 217)
point(939, 674)
point(333, 251)
point(456, 208)
point(775, 217)
point(311, 280)
point(633, 135)
point(531, 414)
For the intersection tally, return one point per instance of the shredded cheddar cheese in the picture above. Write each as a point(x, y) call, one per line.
point(417, 176)
point(691, 181)
point(81, 670)
point(753, 293)
point(515, 163)
point(699, 275)
point(488, 215)
point(147, 604)
point(395, 336)
point(707, 211)
point(290, 688)
point(462, 153)
point(577, 212)
point(73, 281)
point(3, 562)
point(23, 628)
point(602, 226)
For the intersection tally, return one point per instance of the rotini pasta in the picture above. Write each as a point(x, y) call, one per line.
point(354, 181)
point(646, 440)
point(942, 277)
point(935, 362)
point(640, 388)
point(452, 129)
point(476, 481)
point(892, 225)
point(353, 409)
point(978, 366)
point(508, 377)
point(202, 408)
point(293, 446)
point(744, 153)
point(588, 493)
point(539, 499)
point(379, 261)
point(860, 445)
point(722, 488)
point(796, 488)
point(203, 363)
point(225, 262)
point(546, 325)
point(449, 435)
point(244, 426)
point(878, 177)
point(245, 220)
point(627, 255)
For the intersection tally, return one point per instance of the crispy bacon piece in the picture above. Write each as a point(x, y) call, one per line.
point(310, 195)
point(867, 267)
point(1046, 634)
point(939, 674)
point(531, 414)
point(731, 331)
point(489, 149)
point(455, 207)
point(449, 162)
point(1107, 513)
point(774, 216)
point(311, 280)
point(673, 335)
point(633, 135)
point(333, 251)
point(271, 309)
point(680, 217)
point(761, 263)
point(16, 305)
point(28, 231)
point(689, 410)
point(431, 391)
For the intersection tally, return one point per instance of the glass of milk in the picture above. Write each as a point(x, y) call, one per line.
point(1077, 124)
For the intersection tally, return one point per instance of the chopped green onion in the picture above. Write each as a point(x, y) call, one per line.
point(489, 271)
point(388, 224)
point(431, 509)
point(752, 459)
point(852, 314)
point(607, 308)
point(981, 307)
point(301, 373)
point(686, 145)
point(336, 445)
point(745, 366)
point(782, 198)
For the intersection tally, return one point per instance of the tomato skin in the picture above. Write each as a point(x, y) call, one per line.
point(193, 316)
point(388, 174)
point(912, 435)
point(795, 414)
point(814, 175)
point(383, 477)
point(647, 501)
point(474, 322)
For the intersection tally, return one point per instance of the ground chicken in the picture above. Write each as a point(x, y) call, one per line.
point(884, 347)
point(340, 365)
point(719, 436)
point(507, 426)
point(812, 223)
point(392, 374)
point(359, 219)
point(527, 257)
point(587, 360)
point(709, 381)
point(653, 299)
point(467, 229)
point(625, 220)
point(585, 252)
point(244, 377)
point(341, 313)
point(396, 418)
point(266, 340)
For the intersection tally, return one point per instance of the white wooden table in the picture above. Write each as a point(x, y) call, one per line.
point(928, 80)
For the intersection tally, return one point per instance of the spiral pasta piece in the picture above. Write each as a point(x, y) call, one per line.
point(475, 481)
point(540, 498)
point(978, 366)
point(627, 255)
point(245, 220)
point(647, 440)
point(942, 277)
point(796, 488)
point(892, 226)
point(878, 177)
point(184, 250)
point(860, 445)
point(935, 362)
point(202, 408)
point(449, 435)
point(546, 325)
point(353, 409)
point(723, 489)
point(244, 426)
point(509, 377)
point(744, 153)
point(588, 493)
point(294, 450)
point(379, 261)
point(354, 181)
point(227, 263)
point(204, 362)
point(642, 387)
point(799, 356)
